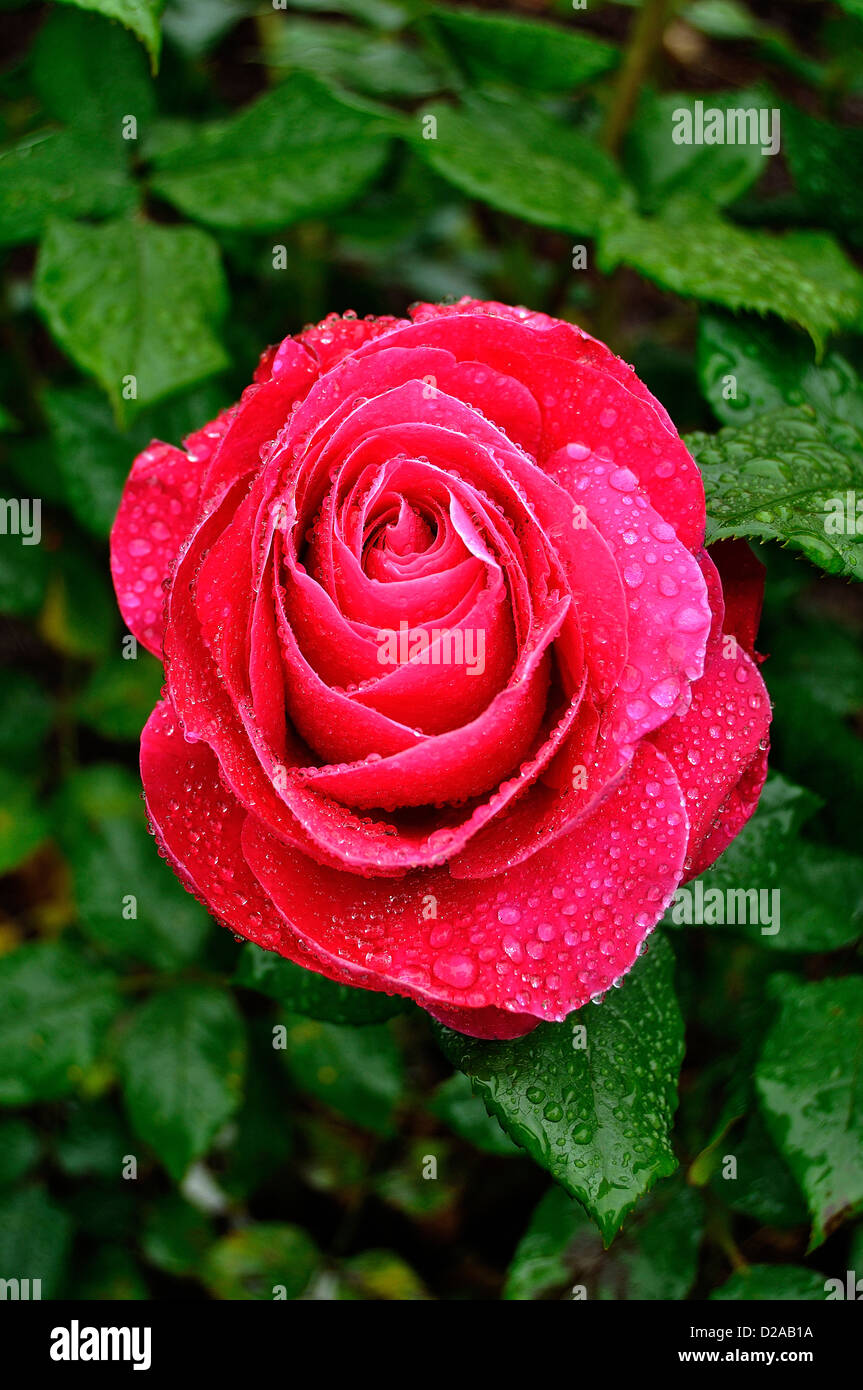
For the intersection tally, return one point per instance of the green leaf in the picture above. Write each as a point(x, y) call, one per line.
point(549, 1253)
point(358, 1071)
point(259, 1148)
point(128, 899)
point(26, 714)
point(530, 54)
point(299, 151)
point(817, 689)
point(808, 1081)
point(19, 1150)
point(380, 14)
point(266, 1261)
point(412, 1187)
point(762, 1187)
point(94, 454)
point(112, 1275)
point(60, 173)
point(654, 1259)
point(119, 696)
point(176, 1237)
point(454, 1102)
point(780, 478)
point(822, 900)
point(760, 1283)
point(23, 574)
point(722, 19)
point(79, 616)
point(593, 1107)
point(93, 1143)
point(91, 74)
point(690, 248)
point(773, 367)
point(381, 1275)
point(824, 161)
point(333, 1158)
point(302, 991)
point(376, 65)
point(54, 1009)
point(485, 146)
point(31, 461)
point(769, 836)
point(107, 1210)
point(35, 1236)
point(820, 660)
point(182, 1060)
point(133, 300)
point(23, 824)
point(195, 26)
point(660, 169)
point(817, 891)
point(141, 16)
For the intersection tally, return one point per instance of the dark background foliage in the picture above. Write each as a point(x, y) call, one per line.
point(153, 1142)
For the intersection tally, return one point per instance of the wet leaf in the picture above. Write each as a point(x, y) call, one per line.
point(182, 1060)
point(141, 16)
point(808, 1082)
point(780, 478)
point(764, 1283)
point(527, 52)
point(655, 1257)
point(134, 305)
point(266, 1261)
point(54, 1009)
point(457, 1105)
point(659, 168)
point(305, 992)
point(299, 151)
point(60, 173)
point(748, 366)
point(591, 1099)
point(803, 277)
point(35, 1235)
point(572, 182)
point(359, 1072)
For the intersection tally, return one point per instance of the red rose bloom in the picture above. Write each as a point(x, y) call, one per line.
point(455, 699)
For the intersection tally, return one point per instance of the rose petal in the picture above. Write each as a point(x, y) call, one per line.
point(716, 748)
point(540, 940)
point(198, 823)
point(156, 513)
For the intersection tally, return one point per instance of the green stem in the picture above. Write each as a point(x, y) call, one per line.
point(645, 42)
point(718, 1232)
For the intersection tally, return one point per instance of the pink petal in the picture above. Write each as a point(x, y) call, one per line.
point(198, 825)
point(156, 513)
point(668, 618)
point(587, 396)
point(717, 749)
point(540, 940)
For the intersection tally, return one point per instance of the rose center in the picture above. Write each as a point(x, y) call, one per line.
point(398, 531)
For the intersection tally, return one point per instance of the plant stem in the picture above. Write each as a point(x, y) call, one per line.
point(645, 41)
